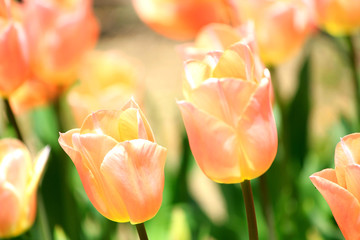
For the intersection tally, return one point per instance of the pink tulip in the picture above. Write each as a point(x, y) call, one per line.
point(59, 33)
point(14, 62)
point(228, 116)
point(340, 187)
point(119, 163)
point(19, 179)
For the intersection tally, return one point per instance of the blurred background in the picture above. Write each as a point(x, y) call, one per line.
point(314, 84)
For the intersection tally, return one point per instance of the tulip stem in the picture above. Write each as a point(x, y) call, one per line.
point(250, 210)
point(353, 67)
point(11, 117)
point(141, 231)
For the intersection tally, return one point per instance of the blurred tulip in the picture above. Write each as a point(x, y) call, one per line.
point(14, 65)
point(341, 187)
point(19, 179)
point(216, 37)
point(60, 33)
point(33, 93)
point(228, 116)
point(182, 19)
point(107, 80)
point(281, 27)
point(119, 163)
point(338, 17)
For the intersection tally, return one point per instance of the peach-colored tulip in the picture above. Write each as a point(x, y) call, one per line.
point(281, 27)
point(14, 65)
point(341, 187)
point(33, 93)
point(19, 178)
point(59, 34)
point(338, 17)
point(107, 80)
point(119, 163)
point(228, 116)
point(216, 37)
point(182, 19)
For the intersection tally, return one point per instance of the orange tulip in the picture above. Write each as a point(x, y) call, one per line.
point(119, 163)
point(182, 19)
point(338, 17)
point(14, 65)
point(107, 80)
point(340, 187)
point(228, 116)
point(59, 33)
point(19, 178)
point(281, 27)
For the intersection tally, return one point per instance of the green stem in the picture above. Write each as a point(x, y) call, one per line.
point(141, 231)
point(11, 117)
point(250, 210)
point(354, 77)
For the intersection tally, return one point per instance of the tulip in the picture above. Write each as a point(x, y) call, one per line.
point(19, 179)
point(281, 27)
point(59, 34)
point(340, 186)
point(216, 37)
point(228, 116)
point(338, 17)
point(182, 19)
point(14, 62)
point(107, 80)
point(119, 163)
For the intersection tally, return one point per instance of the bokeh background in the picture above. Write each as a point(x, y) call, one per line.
point(316, 87)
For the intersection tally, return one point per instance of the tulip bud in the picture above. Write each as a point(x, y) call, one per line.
point(227, 115)
point(340, 187)
point(19, 179)
point(120, 165)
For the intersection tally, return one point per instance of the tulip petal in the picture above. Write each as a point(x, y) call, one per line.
point(66, 142)
point(105, 198)
point(39, 166)
point(15, 164)
point(103, 122)
point(257, 133)
point(196, 72)
point(9, 209)
point(216, 36)
point(142, 121)
point(346, 152)
point(224, 99)
point(5, 9)
point(236, 62)
point(14, 62)
point(136, 169)
point(213, 144)
point(128, 124)
point(344, 206)
point(87, 162)
point(353, 180)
